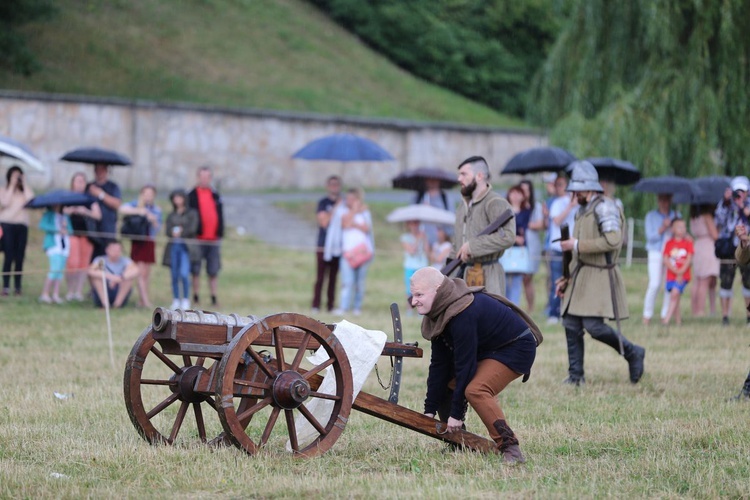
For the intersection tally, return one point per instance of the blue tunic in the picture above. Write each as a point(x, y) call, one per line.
point(481, 331)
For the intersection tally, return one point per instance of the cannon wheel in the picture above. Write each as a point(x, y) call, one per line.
point(173, 386)
point(289, 388)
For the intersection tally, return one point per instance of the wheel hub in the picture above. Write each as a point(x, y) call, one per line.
point(185, 386)
point(290, 390)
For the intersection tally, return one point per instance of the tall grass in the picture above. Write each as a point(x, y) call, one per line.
point(672, 435)
point(279, 55)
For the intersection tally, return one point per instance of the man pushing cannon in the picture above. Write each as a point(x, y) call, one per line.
point(480, 344)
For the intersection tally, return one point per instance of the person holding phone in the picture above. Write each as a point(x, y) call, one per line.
point(14, 220)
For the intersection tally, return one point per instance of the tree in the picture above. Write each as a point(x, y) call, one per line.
point(485, 50)
point(662, 83)
point(14, 52)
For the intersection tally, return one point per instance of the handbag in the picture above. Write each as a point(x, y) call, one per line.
point(724, 248)
point(358, 255)
point(516, 260)
point(134, 225)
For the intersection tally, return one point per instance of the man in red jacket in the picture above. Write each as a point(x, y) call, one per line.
point(207, 202)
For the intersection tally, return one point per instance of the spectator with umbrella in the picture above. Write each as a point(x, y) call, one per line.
point(14, 220)
point(82, 217)
point(57, 229)
point(103, 189)
point(430, 184)
point(533, 240)
point(732, 211)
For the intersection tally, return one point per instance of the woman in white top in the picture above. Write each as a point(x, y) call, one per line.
point(357, 249)
point(14, 220)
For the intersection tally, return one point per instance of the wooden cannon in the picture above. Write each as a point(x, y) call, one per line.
point(251, 370)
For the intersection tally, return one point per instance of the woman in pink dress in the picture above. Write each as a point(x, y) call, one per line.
point(705, 263)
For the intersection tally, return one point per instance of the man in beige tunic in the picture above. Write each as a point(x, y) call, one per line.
point(481, 207)
point(594, 276)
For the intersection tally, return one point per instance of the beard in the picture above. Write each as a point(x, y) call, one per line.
point(469, 190)
point(582, 199)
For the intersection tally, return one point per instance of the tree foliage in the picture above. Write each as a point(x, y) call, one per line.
point(15, 54)
point(662, 83)
point(485, 50)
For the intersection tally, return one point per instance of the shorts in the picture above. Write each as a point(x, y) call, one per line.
point(81, 250)
point(56, 266)
point(671, 285)
point(211, 253)
point(112, 293)
point(727, 272)
point(143, 251)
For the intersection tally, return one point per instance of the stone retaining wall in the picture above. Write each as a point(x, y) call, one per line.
point(249, 149)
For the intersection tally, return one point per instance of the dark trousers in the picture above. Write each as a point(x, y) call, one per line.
point(15, 237)
point(599, 330)
point(325, 269)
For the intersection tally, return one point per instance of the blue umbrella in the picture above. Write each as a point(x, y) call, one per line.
point(62, 197)
point(343, 147)
point(543, 159)
point(97, 156)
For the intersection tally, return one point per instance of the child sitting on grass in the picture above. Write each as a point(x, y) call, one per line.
point(56, 226)
point(678, 256)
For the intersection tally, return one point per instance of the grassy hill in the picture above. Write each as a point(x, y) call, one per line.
point(280, 54)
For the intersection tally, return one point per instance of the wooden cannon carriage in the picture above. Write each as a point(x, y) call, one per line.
point(251, 370)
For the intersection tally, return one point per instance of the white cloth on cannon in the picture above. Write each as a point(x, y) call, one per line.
point(363, 348)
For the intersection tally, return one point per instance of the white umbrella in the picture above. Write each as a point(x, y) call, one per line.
point(422, 213)
point(13, 152)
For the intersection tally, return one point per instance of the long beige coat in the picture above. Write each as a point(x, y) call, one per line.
point(471, 219)
point(589, 294)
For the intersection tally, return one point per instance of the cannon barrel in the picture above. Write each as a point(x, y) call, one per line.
point(164, 317)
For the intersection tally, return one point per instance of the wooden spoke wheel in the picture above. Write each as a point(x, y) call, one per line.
point(291, 386)
point(159, 393)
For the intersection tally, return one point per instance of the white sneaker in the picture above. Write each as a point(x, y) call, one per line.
point(338, 312)
point(175, 304)
point(553, 320)
point(356, 312)
point(185, 304)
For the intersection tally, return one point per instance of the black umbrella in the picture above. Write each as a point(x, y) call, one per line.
point(414, 180)
point(705, 191)
point(97, 156)
point(547, 159)
point(343, 147)
point(668, 184)
point(620, 172)
point(62, 197)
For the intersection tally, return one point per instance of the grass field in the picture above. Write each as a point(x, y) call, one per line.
point(281, 54)
point(671, 436)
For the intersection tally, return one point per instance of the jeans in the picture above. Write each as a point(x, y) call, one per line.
point(180, 268)
point(513, 287)
point(556, 271)
point(353, 285)
point(655, 275)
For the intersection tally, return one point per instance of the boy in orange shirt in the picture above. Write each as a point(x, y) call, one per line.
point(678, 256)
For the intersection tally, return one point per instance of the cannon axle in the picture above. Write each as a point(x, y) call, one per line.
point(290, 390)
